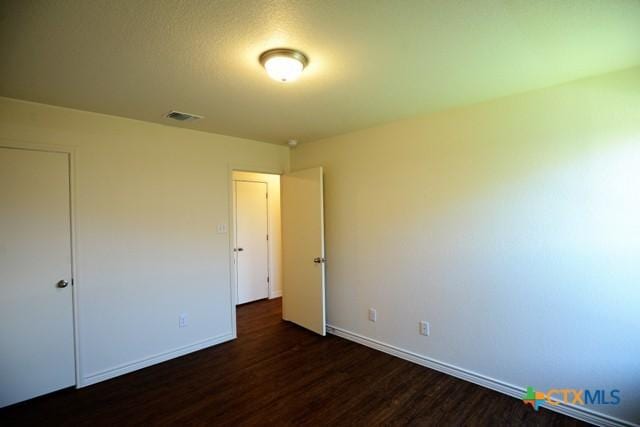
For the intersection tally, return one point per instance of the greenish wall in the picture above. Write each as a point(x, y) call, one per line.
point(513, 226)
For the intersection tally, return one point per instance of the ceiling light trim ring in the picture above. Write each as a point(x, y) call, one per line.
point(281, 51)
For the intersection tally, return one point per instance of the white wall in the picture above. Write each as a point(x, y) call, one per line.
point(275, 234)
point(148, 199)
point(512, 226)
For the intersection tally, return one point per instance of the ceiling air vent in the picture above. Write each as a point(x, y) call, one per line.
point(181, 117)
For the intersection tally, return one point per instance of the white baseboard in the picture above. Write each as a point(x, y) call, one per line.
point(125, 368)
point(574, 411)
point(275, 294)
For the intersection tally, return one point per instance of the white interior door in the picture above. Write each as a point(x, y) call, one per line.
point(36, 308)
point(303, 294)
point(251, 249)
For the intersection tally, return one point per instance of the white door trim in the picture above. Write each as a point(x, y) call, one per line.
point(75, 282)
point(231, 168)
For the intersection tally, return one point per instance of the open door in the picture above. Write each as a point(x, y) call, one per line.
point(303, 262)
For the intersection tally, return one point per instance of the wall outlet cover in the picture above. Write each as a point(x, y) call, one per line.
point(425, 328)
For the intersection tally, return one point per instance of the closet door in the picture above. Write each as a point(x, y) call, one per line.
point(36, 301)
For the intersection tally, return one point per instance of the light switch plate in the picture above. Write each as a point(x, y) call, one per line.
point(222, 228)
point(183, 320)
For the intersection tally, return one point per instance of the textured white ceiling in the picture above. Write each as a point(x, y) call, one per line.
point(371, 61)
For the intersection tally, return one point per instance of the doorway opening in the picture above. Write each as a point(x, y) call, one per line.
point(277, 242)
point(257, 240)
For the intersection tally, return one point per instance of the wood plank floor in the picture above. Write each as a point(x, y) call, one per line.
point(277, 373)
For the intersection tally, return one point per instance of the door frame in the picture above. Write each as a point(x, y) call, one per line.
point(231, 168)
point(70, 151)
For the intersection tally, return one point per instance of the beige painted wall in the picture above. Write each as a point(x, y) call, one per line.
point(512, 226)
point(275, 235)
point(148, 199)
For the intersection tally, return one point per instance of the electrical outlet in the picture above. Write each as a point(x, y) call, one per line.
point(183, 320)
point(373, 314)
point(425, 329)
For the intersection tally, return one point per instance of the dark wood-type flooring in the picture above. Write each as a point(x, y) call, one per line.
point(277, 373)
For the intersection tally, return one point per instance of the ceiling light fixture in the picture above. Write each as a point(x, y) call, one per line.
point(182, 117)
point(284, 65)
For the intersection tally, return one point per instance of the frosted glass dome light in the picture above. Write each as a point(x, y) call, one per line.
point(283, 65)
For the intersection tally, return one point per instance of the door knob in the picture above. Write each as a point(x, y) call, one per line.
point(62, 284)
point(319, 260)
point(239, 249)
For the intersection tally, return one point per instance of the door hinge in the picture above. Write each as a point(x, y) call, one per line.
point(267, 237)
point(267, 279)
